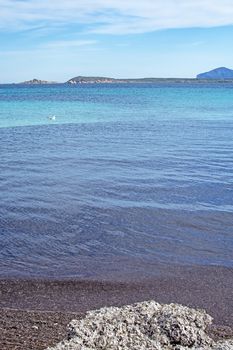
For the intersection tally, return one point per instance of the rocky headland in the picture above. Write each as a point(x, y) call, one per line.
point(107, 80)
point(92, 80)
point(37, 82)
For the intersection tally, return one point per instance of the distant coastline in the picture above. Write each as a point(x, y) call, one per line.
point(104, 80)
point(217, 75)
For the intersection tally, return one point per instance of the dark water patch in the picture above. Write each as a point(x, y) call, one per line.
point(76, 198)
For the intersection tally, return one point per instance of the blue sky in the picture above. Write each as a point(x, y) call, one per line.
point(59, 39)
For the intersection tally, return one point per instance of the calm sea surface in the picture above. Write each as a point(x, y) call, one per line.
point(126, 177)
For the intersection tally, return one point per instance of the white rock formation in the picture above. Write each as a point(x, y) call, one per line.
point(142, 326)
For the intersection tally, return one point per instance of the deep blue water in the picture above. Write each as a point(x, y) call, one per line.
point(126, 177)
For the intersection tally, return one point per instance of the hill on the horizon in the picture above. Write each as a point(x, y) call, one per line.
point(104, 80)
point(217, 73)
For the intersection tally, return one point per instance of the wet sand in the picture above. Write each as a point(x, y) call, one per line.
point(34, 313)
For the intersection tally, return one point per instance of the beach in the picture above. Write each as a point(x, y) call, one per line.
point(35, 313)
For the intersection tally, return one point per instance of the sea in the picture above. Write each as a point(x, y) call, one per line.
point(124, 179)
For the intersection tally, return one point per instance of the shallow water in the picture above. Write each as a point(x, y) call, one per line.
point(136, 173)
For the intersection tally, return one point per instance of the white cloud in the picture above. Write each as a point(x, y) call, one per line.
point(68, 43)
point(115, 16)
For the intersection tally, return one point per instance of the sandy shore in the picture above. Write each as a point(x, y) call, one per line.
point(34, 313)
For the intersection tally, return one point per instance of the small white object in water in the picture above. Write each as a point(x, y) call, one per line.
point(52, 117)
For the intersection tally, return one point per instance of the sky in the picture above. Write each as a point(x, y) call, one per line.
point(60, 39)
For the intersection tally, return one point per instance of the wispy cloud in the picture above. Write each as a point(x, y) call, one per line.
point(68, 43)
point(53, 46)
point(115, 16)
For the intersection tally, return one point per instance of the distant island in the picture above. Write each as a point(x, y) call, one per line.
point(37, 82)
point(107, 80)
point(91, 80)
point(220, 73)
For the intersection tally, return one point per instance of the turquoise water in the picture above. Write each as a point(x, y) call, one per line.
point(126, 178)
point(32, 105)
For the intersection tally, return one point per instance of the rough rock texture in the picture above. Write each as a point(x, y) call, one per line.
point(147, 325)
point(225, 345)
